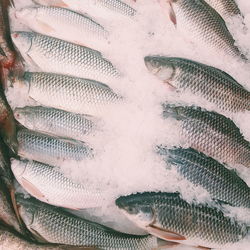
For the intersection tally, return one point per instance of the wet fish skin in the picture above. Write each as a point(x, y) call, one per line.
point(72, 94)
point(226, 8)
point(206, 26)
point(168, 216)
point(50, 150)
point(211, 133)
point(49, 185)
point(58, 226)
point(211, 83)
point(48, 20)
point(51, 54)
point(221, 183)
point(55, 121)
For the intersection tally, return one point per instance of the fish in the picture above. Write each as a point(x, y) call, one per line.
point(50, 149)
point(55, 20)
point(169, 217)
point(221, 183)
point(56, 122)
point(50, 54)
point(48, 184)
point(210, 133)
point(203, 25)
point(213, 84)
point(71, 94)
point(116, 6)
point(10, 239)
point(226, 8)
point(58, 226)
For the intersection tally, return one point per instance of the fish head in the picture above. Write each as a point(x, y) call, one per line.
point(176, 112)
point(27, 208)
point(23, 40)
point(160, 66)
point(26, 14)
point(137, 209)
point(25, 116)
point(18, 168)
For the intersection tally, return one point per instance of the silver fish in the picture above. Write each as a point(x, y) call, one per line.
point(213, 84)
point(55, 20)
point(50, 150)
point(211, 133)
point(49, 185)
point(57, 226)
point(221, 183)
point(54, 55)
point(55, 121)
point(169, 217)
point(226, 8)
point(72, 94)
point(203, 24)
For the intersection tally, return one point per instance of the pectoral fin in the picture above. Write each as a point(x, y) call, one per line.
point(165, 234)
point(33, 190)
point(168, 7)
point(45, 27)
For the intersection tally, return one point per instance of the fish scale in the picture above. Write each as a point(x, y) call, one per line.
point(50, 150)
point(55, 55)
point(72, 94)
point(58, 226)
point(211, 133)
point(221, 183)
point(199, 224)
point(205, 25)
point(55, 121)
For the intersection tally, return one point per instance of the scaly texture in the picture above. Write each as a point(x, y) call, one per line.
point(49, 185)
point(213, 84)
point(198, 224)
point(50, 150)
point(57, 226)
point(211, 133)
point(55, 121)
point(72, 94)
point(222, 184)
point(54, 55)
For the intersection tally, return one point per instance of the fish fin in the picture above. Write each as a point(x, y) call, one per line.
point(170, 86)
point(163, 244)
point(60, 3)
point(32, 189)
point(46, 27)
point(164, 234)
point(38, 236)
point(167, 5)
point(204, 248)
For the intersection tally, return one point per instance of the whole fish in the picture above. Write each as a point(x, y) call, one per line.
point(211, 133)
point(55, 20)
point(116, 6)
point(49, 185)
point(57, 226)
point(169, 217)
point(201, 170)
point(10, 239)
point(226, 8)
point(202, 24)
point(50, 150)
point(72, 94)
point(211, 83)
point(54, 55)
point(55, 121)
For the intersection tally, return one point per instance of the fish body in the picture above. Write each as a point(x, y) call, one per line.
point(57, 226)
point(211, 133)
point(222, 184)
point(72, 94)
point(51, 54)
point(226, 8)
point(50, 150)
point(211, 83)
point(55, 121)
point(55, 20)
point(169, 217)
point(204, 25)
point(49, 185)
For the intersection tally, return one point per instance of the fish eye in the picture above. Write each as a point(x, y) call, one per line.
point(132, 210)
